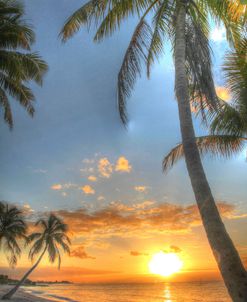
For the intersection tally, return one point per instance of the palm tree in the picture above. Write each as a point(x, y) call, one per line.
point(17, 68)
point(185, 24)
point(228, 128)
point(12, 229)
point(50, 239)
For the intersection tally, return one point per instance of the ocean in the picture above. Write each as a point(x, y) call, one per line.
point(155, 292)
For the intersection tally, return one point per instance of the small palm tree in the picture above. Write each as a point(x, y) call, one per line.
point(50, 239)
point(12, 229)
point(17, 68)
point(228, 128)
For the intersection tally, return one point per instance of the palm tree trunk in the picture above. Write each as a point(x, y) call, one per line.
point(21, 282)
point(226, 255)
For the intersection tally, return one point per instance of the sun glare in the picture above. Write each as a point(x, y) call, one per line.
point(165, 264)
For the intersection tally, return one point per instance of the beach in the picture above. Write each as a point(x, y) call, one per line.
point(21, 295)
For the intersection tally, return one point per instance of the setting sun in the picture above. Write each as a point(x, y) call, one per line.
point(165, 264)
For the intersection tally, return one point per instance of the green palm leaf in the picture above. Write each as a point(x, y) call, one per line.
point(216, 145)
point(131, 66)
point(12, 230)
point(17, 68)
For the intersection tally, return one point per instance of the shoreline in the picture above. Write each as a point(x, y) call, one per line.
point(22, 296)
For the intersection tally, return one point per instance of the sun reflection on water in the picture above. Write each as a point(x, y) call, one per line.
point(167, 293)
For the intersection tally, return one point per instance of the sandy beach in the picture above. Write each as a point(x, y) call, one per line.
point(21, 296)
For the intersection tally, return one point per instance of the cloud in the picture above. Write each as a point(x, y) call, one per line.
point(100, 198)
point(27, 210)
point(87, 170)
point(123, 165)
point(175, 249)
point(80, 252)
point(88, 161)
point(105, 167)
point(218, 34)
point(40, 171)
point(141, 189)
point(65, 186)
point(122, 220)
point(56, 187)
point(92, 178)
point(223, 93)
point(88, 189)
point(69, 185)
point(136, 253)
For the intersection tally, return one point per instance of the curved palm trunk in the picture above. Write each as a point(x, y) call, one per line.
point(21, 282)
point(226, 255)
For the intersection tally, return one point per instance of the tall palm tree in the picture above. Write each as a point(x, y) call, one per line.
point(51, 237)
point(12, 229)
point(185, 24)
point(18, 65)
point(228, 125)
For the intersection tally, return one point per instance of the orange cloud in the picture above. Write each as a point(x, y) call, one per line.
point(123, 165)
point(92, 178)
point(223, 93)
point(88, 189)
point(140, 189)
point(129, 221)
point(56, 187)
point(105, 167)
point(175, 249)
point(80, 252)
point(136, 253)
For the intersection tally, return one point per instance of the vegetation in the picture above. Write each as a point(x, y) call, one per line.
point(185, 24)
point(12, 229)
point(228, 128)
point(50, 239)
point(17, 68)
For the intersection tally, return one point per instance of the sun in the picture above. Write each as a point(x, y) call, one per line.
point(165, 264)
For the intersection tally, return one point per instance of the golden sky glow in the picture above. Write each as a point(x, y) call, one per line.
point(223, 93)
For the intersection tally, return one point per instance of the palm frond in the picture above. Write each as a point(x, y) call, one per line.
point(228, 121)
point(4, 103)
point(198, 59)
point(162, 23)
point(131, 66)
point(229, 13)
point(23, 67)
point(121, 10)
point(12, 229)
point(82, 16)
point(235, 70)
point(216, 145)
point(37, 247)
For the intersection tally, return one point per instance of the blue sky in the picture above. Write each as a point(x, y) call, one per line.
point(76, 119)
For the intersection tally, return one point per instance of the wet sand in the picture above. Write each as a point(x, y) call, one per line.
point(21, 295)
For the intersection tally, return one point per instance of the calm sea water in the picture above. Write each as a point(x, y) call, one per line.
point(158, 292)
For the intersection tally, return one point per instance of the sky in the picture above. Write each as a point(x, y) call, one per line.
point(76, 159)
